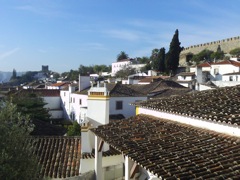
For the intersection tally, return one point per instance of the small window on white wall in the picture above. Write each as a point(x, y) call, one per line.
point(119, 105)
point(80, 101)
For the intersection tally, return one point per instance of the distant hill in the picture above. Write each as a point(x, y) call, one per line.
point(5, 76)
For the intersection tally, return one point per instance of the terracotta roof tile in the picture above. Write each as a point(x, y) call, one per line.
point(232, 62)
point(172, 150)
point(41, 92)
point(150, 79)
point(59, 156)
point(206, 64)
point(221, 105)
point(186, 74)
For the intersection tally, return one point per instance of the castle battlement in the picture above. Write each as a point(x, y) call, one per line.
point(214, 42)
point(226, 46)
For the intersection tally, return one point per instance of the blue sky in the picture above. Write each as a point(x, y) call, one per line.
point(66, 33)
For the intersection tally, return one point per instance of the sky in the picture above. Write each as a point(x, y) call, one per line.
point(65, 34)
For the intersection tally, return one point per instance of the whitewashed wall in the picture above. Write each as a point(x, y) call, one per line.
point(226, 83)
point(222, 69)
point(112, 166)
point(211, 125)
point(128, 110)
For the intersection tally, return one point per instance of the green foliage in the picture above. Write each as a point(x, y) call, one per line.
point(122, 55)
point(217, 55)
point(235, 52)
point(17, 160)
point(161, 59)
point(143, 60)
point(74, 130)
point(154, 59)
point(172, 57)
point(204, 55)
point(31, 104)
point(85, 70)
point(146, 67)
point(73, 75)
point(125, 72)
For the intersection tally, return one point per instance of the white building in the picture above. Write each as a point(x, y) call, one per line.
point(182, 137)
point(218, 74)
point(76, 104)
point(116, 66)
point(187, 79)
point(98, 111)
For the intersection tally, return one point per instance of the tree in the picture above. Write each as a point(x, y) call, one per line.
point(85, 70)
point(31, 104)
point(74, 130)
point(217, 55)
point(73, 75)
point(125, 72)
point(161, 58)
point(154, 59)
point(172, 58)
point(146, 67)
point(122, 55)
point(235, 52)
point(204, 55)
point(17, 159)
point(143, 60)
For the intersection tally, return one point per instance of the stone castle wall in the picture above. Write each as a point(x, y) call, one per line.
point(225, 44)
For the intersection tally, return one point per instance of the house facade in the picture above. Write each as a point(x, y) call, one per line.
point(117, 66)
point(194, 136)
point(220, 74)
point(75, 102)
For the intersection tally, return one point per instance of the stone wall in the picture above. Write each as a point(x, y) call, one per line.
point(225, 44)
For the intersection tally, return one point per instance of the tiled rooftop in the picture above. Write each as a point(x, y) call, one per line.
point(124, 90)
point(221, 105)
point(59, 156)
point(111, 152)
point(172, 150)
point(186, 74)
point(42, 92)
point(231, 62)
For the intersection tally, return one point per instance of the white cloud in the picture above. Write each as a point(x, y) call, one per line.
point(8, 53)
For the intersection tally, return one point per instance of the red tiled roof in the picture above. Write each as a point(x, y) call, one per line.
point(221, 105)
point(41, 92)
point(173, 150)
point(206, 64)
point(150, 79)
point(59, 156)
point(231, 62)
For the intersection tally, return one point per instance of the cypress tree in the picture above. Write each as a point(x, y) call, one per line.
point(172, 60)
point(161, 57)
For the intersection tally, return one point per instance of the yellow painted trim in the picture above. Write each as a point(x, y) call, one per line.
point(91, 97)
point(137, 110)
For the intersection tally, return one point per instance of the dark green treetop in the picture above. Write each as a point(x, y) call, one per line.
point(172, 58)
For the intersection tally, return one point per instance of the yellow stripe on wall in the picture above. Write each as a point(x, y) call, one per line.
point(137, 110)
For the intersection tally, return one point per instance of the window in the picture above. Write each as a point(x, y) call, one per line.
point(64, 93)
point(80, 101)
point(73, 100)
point(216, 71)
point(119, 105)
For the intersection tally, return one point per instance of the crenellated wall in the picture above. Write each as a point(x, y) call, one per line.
point(225, 44)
